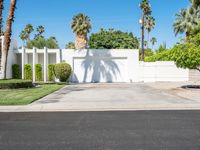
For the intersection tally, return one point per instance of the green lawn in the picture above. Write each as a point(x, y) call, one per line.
point(26, 96)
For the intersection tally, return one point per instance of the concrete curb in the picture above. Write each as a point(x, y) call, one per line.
point(137, 108)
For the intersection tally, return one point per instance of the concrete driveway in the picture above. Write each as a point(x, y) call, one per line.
point(113, 97)
point(101, 97)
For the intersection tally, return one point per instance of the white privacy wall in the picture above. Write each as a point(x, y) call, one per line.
point(103, 65)
point(12, 58)
point(162, 71)
point(120, 66)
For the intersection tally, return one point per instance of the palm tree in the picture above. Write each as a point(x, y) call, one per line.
point(81, 26)
point(195, 3)
point(24, 36)
point(145, 44)
point(186, 21)
point(70, 45)
point(29, 29)
point(1, 16)
point(1, 27)
point(153, 41)
point(146, 10)
point(149, 25)
point(7, 35)
point(40, 30)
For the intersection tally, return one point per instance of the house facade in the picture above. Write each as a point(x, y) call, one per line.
point(96, 65)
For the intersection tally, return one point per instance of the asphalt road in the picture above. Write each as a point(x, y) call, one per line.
point(132, 130)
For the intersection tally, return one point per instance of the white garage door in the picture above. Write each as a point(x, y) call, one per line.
point(100, 69)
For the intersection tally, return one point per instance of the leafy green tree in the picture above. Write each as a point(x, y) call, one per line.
point(165, 55)
point(161, 48)
point(41, 42)
point(147, 53)
point(81, 26)
point(52, 43)
point(187, 56)
point(112, 39)
point(70, 45)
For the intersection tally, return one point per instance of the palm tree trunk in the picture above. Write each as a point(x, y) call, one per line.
point(7, 35)
point(143, 37)
point(1, 16)
point(148, 40)
point(187, 35)
point(81, 41)
point(1, 24)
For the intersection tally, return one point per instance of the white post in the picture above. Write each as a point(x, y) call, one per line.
point(45, 63)
point(34, 59)
point(23, 61)
point(2, 47)
point(58, 56)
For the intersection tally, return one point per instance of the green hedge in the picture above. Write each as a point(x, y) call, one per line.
point(15, 84)
point(16, 73)
point(51, 72)
point(62, 71)
point(162, 56)
point(28, 72)
point(38, 72)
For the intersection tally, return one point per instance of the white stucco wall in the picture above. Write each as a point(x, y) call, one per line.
point(102, 65)
point(162, 71)
point(12, 59)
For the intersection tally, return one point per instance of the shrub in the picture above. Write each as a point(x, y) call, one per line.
point(166, 55)
point(62, 71)
point(187, 56)
point(16, 71)
point(51, 72)
point(38, 72)
point(15, 84)
point(28, 72)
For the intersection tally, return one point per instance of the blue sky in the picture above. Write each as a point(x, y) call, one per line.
point(124, 15)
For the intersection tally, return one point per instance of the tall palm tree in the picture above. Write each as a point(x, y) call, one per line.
point(145, 44)
point(1, 27)
point(186, 21)
point(7, 35)
point(153, 41)
point(149, 25)
point(195, 3)
point(1, 16)
point(24, 37)
point(146, 10)
point(29, 29)
point(81, 26)
point(40, 30)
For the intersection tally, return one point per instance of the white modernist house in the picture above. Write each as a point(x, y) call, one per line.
point(97, 65)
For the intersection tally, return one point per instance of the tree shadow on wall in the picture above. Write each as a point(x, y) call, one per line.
point(101, 65)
